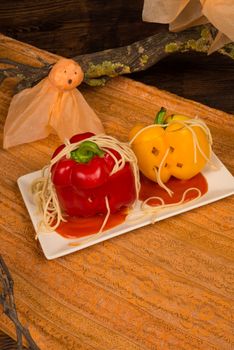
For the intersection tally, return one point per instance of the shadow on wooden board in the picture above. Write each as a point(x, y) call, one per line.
point(6, 343)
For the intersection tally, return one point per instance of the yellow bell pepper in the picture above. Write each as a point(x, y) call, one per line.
point(174, 146)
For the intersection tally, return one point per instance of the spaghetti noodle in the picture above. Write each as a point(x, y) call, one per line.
point(188, 124)
point(45, 194)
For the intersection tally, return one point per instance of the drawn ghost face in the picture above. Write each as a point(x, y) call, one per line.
point(66, 74)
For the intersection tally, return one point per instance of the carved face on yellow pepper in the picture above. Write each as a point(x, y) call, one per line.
point(174, 146)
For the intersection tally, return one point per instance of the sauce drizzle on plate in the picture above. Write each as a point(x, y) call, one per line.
point(77, 227)
point(150, 189)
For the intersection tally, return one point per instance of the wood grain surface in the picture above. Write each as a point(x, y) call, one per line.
point(164, 286)
point(206, 79)
point(75, 27)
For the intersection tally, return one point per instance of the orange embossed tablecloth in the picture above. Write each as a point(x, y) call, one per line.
point(164, 286)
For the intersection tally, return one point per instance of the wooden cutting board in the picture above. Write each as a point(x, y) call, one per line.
point(164, 286)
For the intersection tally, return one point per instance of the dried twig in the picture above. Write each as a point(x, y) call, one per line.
point(101, 66)
point(9, 308)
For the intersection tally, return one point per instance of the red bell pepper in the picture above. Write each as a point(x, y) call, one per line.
point(84, 180)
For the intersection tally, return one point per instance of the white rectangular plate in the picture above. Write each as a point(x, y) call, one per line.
point(220, 185)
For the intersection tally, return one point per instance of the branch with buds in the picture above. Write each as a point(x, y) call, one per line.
point(103, 65)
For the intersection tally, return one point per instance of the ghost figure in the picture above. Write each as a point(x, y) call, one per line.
point(52, 106)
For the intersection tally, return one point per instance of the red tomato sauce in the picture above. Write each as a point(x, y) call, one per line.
point(76, 227)
point(150, 189)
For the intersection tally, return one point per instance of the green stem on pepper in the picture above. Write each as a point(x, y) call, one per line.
point(86, 151)
point(160, 117)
